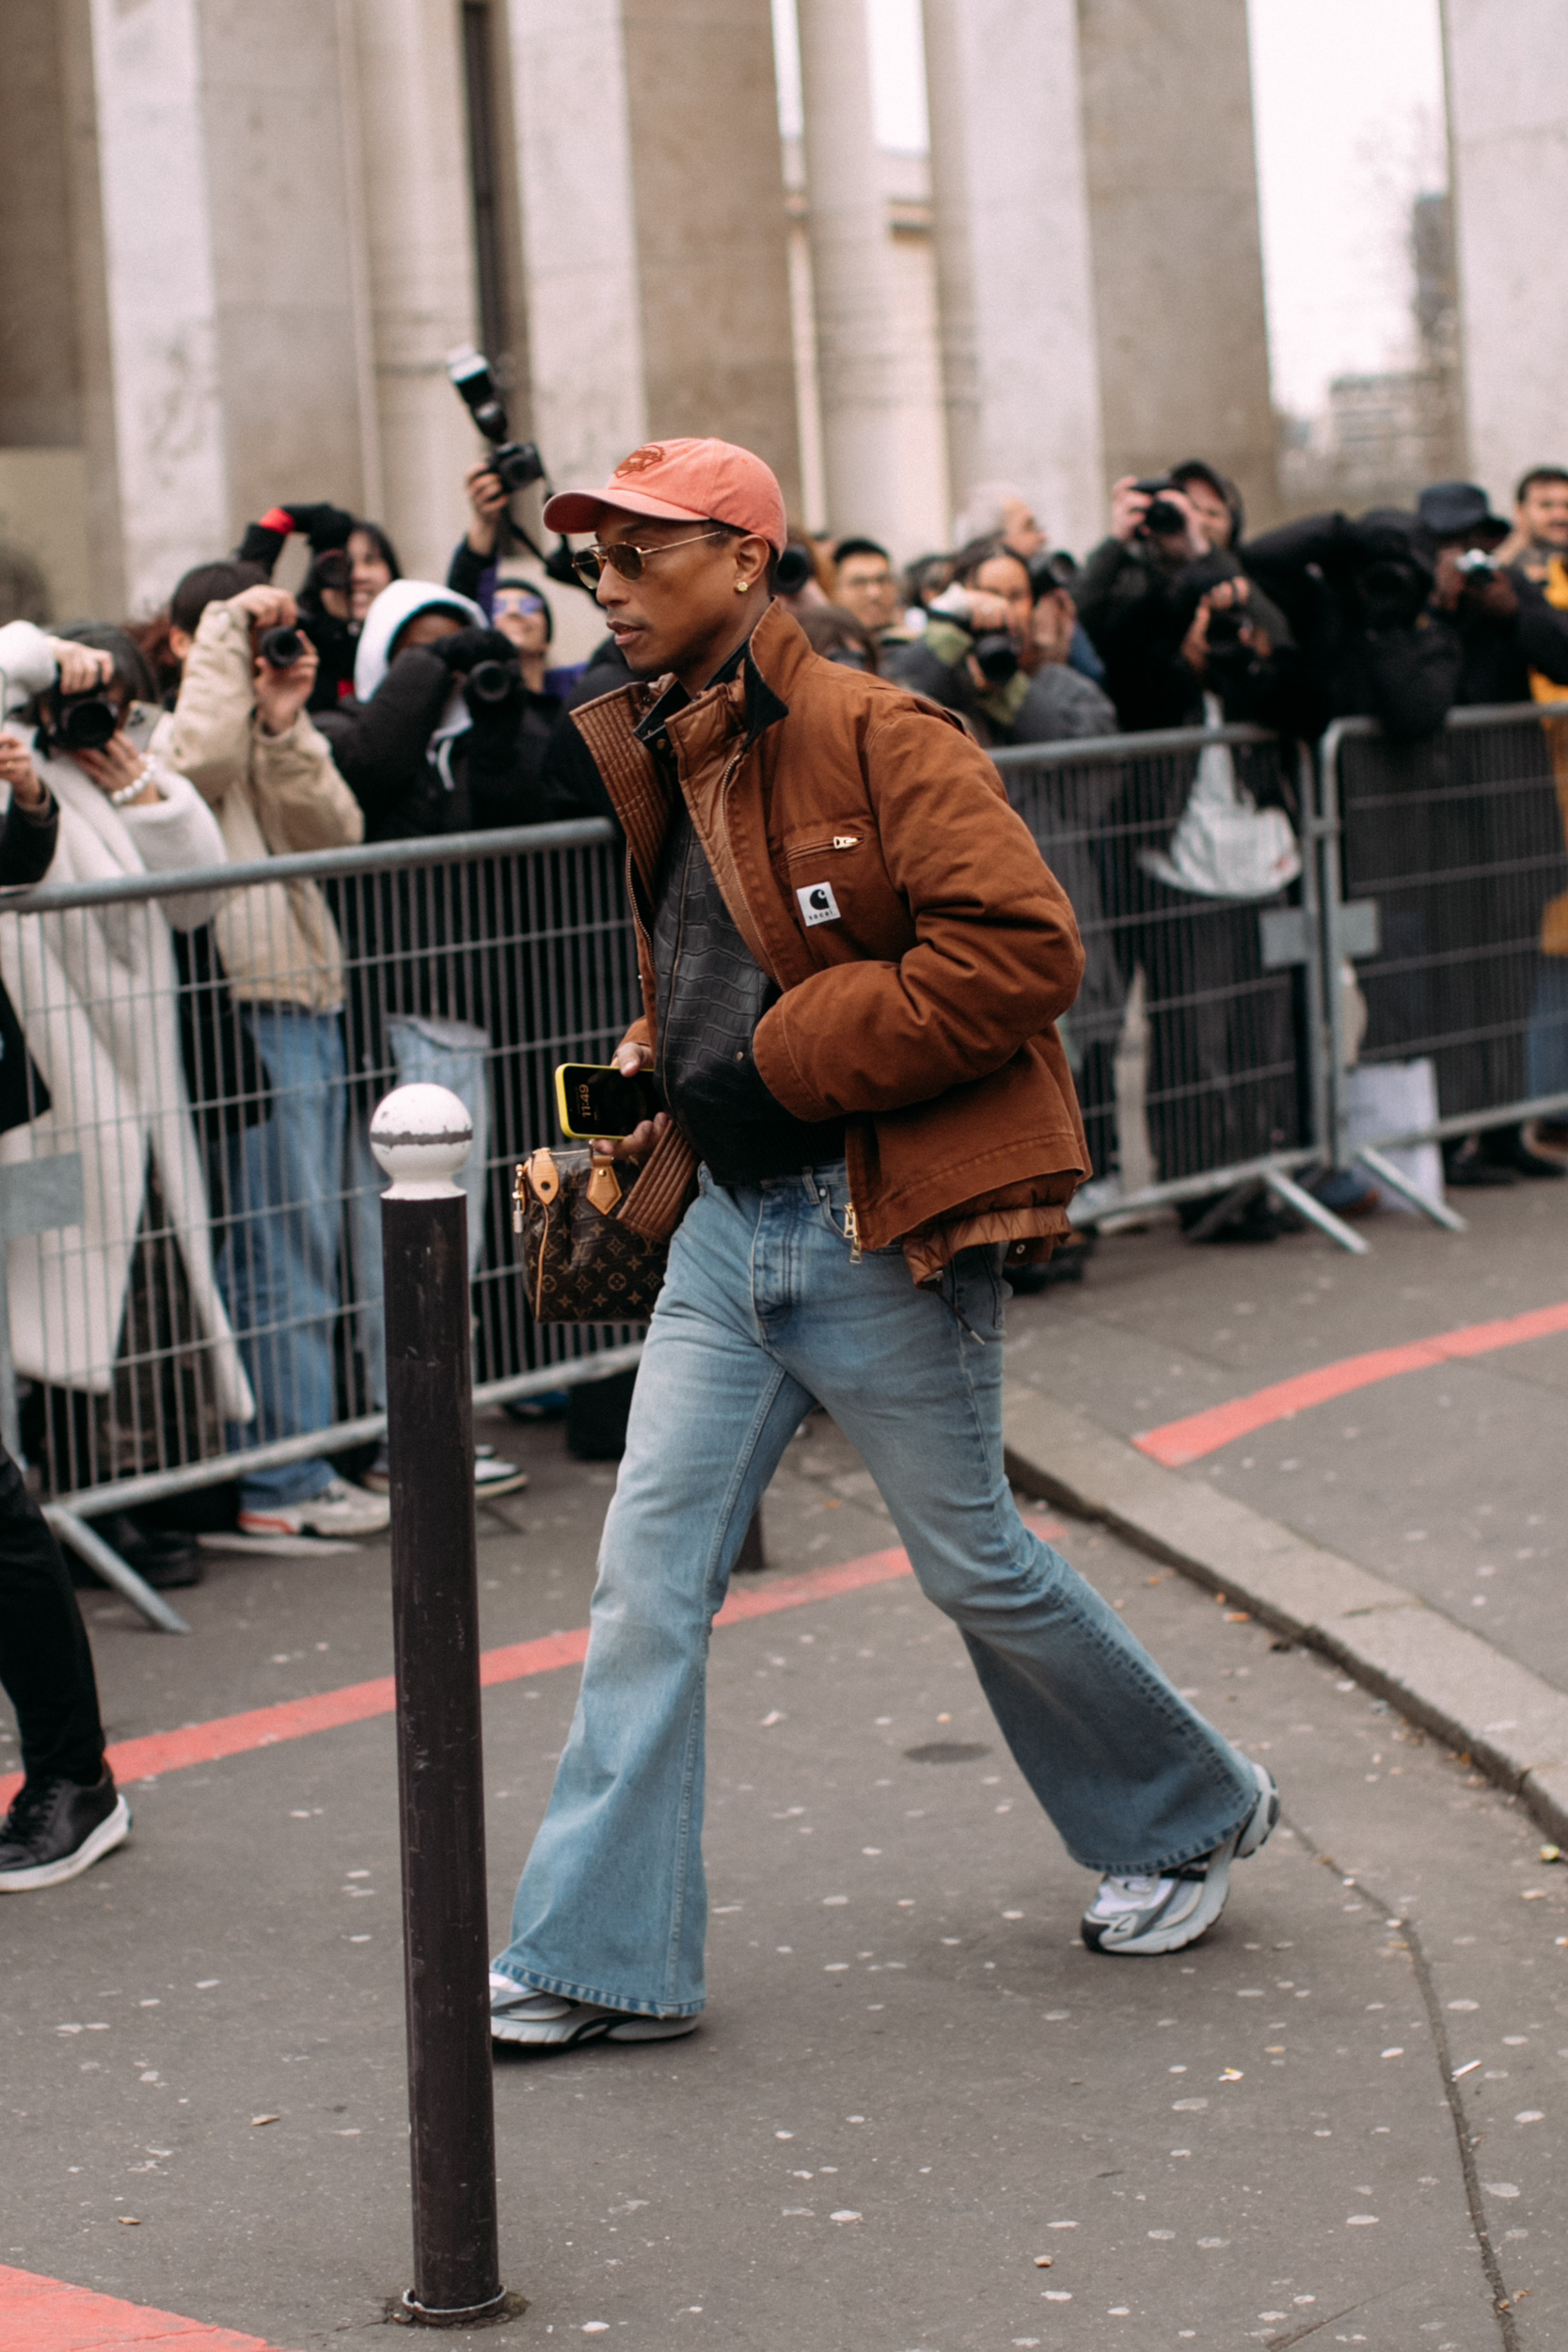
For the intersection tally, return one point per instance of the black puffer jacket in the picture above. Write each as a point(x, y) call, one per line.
point(488, 776)
point(1138, 604)
point(1356, 595)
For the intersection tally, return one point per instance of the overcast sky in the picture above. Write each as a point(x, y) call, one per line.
point(1348, 107)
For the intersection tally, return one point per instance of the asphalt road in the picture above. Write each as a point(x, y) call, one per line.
point(912, 2083)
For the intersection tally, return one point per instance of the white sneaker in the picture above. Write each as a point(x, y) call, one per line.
point(338, 1510)
point(548, 2021)
point(1168, 1913)
point(491, 1477)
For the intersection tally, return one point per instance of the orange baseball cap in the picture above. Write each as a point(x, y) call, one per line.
point(682, 482)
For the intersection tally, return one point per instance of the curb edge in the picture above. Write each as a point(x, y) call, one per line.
point(1440, 1675)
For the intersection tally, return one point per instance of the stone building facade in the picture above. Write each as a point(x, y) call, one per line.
point(239, 242)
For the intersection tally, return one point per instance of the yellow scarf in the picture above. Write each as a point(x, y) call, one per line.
point(1554, 917)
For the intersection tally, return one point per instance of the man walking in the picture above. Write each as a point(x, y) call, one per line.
point(852, 958)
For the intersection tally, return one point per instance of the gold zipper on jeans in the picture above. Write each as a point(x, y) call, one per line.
point(852, 1234)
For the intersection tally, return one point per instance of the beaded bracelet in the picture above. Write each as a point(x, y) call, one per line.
point(132, 791)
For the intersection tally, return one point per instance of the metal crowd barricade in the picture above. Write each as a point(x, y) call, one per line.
point(1225, 995)
point(1444, 887)
point(189, 1206)
point(204, 1051)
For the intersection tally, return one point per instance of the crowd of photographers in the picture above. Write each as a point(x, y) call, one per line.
point(1178, 619)
point(1394, 616)
point(245, 722)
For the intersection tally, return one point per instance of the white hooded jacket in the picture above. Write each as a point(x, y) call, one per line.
point(95, 990)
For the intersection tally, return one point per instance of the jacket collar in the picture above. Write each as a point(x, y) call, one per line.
point(615, 727)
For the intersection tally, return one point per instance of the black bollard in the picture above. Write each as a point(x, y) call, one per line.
point(441, 1784)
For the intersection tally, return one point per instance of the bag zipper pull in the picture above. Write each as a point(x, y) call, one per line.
point(517, 1198)
point(852, 1232)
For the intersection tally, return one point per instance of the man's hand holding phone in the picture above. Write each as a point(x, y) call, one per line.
point(632, 1061)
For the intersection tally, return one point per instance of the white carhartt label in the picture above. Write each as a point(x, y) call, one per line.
point(817, 903)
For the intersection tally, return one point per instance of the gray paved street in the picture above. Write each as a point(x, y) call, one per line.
point(1450, 1481)
point(912, 2083)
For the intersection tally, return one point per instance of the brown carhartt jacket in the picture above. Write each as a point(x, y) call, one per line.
point(924, 1004)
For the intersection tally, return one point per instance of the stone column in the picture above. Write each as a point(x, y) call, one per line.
point(857, 347)
point(162, 294)
point(215, 300)
point(230, 339)
point(44, 562)
point(1019, 368)
point(653, 229)
point(419, 226)
point(1174, 232)
point(579, 234)
point(1508, 118)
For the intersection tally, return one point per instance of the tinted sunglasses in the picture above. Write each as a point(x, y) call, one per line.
point(628, 561)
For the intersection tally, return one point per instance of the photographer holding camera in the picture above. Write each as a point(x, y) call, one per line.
point(1174, 616)
point(241, 731)
point(970, 659)
point(444, 737)
point(351, 563)
point(1507, 840)
point(96, 991)
point(1498, 608)
point(1357, 595)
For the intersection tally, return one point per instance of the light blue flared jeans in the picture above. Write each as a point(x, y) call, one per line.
point(763, 1313)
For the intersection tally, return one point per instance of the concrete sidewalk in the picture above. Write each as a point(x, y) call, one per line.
point(879, 2131)
point(1448, 1482)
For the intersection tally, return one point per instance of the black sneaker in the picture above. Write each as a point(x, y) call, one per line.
point(55, 1829)
point(163, 1557)
point(1511, 1147)
point(1466, 1165)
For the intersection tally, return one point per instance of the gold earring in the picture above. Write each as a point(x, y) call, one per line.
point(741, 586)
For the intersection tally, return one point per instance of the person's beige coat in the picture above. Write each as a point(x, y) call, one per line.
point(94, 988)
point(273, 795)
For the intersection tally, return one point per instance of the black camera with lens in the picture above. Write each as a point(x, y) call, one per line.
point(282, 646)
point(1054, 567)
point(995, 656)
point(517, 463)
point(491, 685)
point(81, 723)
point(1161, 519)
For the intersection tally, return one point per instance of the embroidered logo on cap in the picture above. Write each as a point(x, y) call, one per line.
point(817, 904)
point(641, 460)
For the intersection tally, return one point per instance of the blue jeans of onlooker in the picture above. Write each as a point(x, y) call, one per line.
point(1546, 1038)
point(762, 1313)
point(277, 1268)
point(424, 1053)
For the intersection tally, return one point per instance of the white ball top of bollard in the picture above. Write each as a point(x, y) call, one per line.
point(420, 1134)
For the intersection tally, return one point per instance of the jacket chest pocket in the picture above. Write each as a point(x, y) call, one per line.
point(839, 892)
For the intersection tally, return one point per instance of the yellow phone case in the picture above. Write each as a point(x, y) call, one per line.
point(562, 1110)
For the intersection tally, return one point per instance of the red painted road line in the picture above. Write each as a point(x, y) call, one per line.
point(46, 2316)
point(1179, 1442)
point(162, 1752)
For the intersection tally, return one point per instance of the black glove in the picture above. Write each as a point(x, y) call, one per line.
point(323, 524)
point(467, 646)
